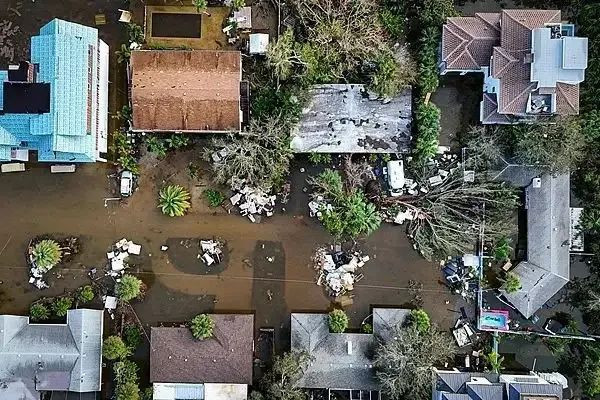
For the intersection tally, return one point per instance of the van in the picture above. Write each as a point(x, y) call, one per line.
point(396, 180)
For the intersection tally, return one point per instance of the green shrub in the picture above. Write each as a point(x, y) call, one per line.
point(114, 348)
point(202, 326)
point(394, 71)
point(238, 4)
point(392, 18)
point(200, 5)
point(428, 78)
point(129, 288)
point(511, 283)
point(338, 321)
point(46, 254)
point(173, 200)
point(132, 336)
point(156, 146)
point(502, 250)
point(85, 294)
point(125, 371)
point(61, 305)
point(366, 328)
point(177, 141)
point(123, 54)
point(128, 391)
point(135, 33)
point(214, 197)
point(420, 319)
point(124, 152)
point(39, 312)
point(428, 130)
point(319, 158)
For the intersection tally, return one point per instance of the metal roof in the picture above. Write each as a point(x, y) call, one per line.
point(65, 53)
point(50, 356)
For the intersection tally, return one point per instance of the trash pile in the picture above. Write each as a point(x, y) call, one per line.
point(252, 202)
point(317, 205)
point(338, 270)
point(212, 251)
point(461, 275)
point(119, 254)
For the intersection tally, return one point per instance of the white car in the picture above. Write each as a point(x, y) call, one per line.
point(396, 181)
point(126, 183)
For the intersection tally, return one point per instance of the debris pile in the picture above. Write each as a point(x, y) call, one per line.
point(317, 205)
point(461, 274)
point(339, 270)
point(212, 251)
point(119, 254)
point(252, 202)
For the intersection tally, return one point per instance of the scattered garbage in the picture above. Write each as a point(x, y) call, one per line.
point(462, 276)
point(318, 205)
point(119, 254)
point(338, 270)
point(252, 202)
point(212, 251)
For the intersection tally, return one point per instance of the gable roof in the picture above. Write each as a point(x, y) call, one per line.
point(51, 357)
point(332, 365)
point(547, 267)
point(176, 357)
point(186, 90)
point(467, 41)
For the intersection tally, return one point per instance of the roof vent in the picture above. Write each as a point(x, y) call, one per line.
point(537, 182)
point(349, 347)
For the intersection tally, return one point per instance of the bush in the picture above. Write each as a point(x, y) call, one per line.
point(319, 158)
point(85, 294)
point(124, 152)
point(202, 327)
point(238, 4)
point(132, 336)
point(114, 348)
point(420, 320)
point(395, 71)
point(173, 200)
point(129, 288)
point(177, 141)
point(338, 321)
point(428, 130)
point(39, 312)
point(502, 250)
point(511, 283)
point(366, 328)
point(128, 391)
point(428, 78)
point(125, 371)
point(392, 18)
point(156, 146)
point(61, 305)
point(214, 197)
point(135, 33)
point(46, 254)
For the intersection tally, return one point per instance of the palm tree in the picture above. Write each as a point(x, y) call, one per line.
point(494, 361)
point(511, 283)
point(46, 254)
point(173, 200)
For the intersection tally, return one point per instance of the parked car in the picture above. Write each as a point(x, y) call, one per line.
point(126, 183)
point(395, 170)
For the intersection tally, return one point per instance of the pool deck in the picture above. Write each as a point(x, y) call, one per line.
point(211, 35)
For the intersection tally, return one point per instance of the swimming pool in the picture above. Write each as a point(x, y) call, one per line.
point(496, 320)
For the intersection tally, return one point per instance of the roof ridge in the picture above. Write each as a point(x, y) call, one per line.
point(456, 35)
point(561, 87)
point(527, 88)
point(511, 61)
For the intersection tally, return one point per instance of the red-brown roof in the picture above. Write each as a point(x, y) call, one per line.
point(470, 43)
point(181, 90)
point(176, 357)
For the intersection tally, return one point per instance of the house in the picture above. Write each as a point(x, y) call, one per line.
point(455, 385)
point(219, 368)
point(51, 358)
point(532, 62)
point(57, 104)
point(188, 91)
point(342, 361)
point(343, 118)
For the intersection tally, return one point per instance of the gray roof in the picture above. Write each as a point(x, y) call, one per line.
point(547, 267)
point(454, 385)
point(51, 356)
point(340, 118)
point(557, 60)
point(332, 367)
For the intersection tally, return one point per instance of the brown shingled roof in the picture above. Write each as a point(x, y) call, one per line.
point(467, 42)
point(567, 99)
point(196, 90)
point(518, 24)
point(176, 357)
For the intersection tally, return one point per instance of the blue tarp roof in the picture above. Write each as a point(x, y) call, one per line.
point(62, 51)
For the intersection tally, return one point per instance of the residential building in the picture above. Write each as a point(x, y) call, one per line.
point(456, 385)
point(344, 118)
point(57, 359)
point(342, 361)
point(532, 62)
point(217, 368)
point(57, 104)
point(188, 91)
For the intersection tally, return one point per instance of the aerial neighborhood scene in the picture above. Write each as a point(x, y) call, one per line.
point(299, 200)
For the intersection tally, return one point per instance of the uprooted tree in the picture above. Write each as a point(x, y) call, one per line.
point(448, 218)
point(261, 156)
